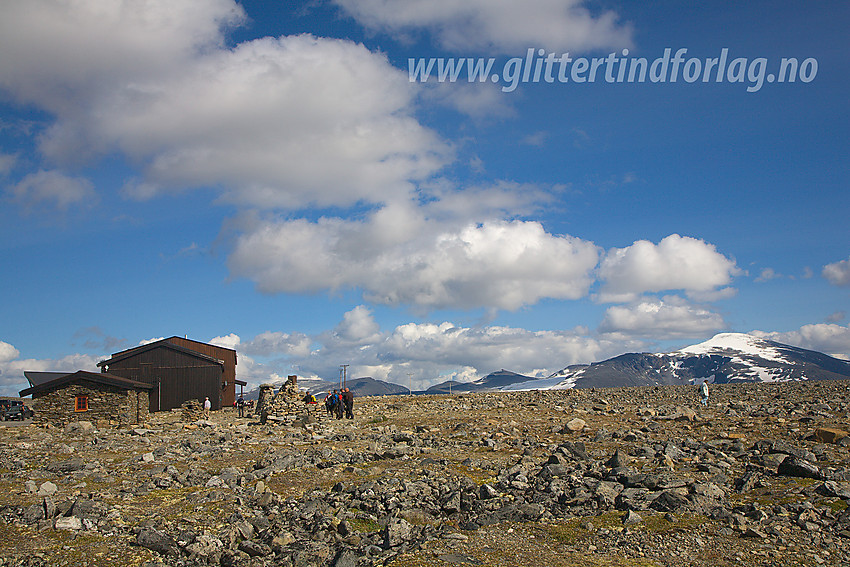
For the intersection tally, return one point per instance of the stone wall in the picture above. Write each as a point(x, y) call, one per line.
point(107, 405)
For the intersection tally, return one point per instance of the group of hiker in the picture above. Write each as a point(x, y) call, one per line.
point(339, 402)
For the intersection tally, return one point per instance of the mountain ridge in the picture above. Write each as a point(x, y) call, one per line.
point(725, 358)
point(493, 381)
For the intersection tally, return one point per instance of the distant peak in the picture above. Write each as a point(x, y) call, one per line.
point(740, 342)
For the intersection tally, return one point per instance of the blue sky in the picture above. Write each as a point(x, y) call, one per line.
point(267, 176)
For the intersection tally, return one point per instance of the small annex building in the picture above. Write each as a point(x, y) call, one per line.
point(89, 396)
point(179, 369)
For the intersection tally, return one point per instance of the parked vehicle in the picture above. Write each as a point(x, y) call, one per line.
point(14, 410)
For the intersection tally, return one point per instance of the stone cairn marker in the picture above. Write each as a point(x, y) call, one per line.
point(192, 411)
point(287, 406)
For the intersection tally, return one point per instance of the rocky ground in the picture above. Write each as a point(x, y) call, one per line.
point(613, 477)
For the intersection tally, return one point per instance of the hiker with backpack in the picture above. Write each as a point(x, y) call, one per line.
point(339, 405)
point(330, 402)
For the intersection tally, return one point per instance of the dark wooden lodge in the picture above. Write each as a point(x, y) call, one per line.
point(179, 369)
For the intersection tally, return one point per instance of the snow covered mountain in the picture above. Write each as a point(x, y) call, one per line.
point(727, 357)
point(493, 381)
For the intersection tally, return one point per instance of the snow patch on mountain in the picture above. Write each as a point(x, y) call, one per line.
point(563, 380)
point(739, 342)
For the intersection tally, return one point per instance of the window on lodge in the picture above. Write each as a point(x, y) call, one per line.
point(81, 403)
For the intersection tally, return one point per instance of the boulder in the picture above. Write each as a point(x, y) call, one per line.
point(396, 533)
point(618, 460)
point(78, 427)
point(575, 425)
point(792, 466)
point(157, 541)
point(835, 489)
point(829, 435)
point(47, 489)
point(671, 500)
point(71, 523)
point(606, 493)
point(254, 548)
point(68, 466)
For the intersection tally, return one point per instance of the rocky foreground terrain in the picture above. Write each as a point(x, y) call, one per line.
point(609, 477)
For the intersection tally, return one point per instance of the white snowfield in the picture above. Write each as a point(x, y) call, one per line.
point(563, 380)
point(741, 342)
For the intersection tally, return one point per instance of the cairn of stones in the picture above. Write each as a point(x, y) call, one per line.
point(287, 406)
point(192, 411)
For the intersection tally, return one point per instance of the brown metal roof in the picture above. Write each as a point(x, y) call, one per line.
point(37, 377)
point(150, 346)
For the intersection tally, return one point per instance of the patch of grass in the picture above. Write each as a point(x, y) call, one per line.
point(364, 524)
point(513, 544)
point(174, 505)
point(837, 505)
point(579, 529)
point(780, 490)
point(65, 548)
point(658, 523)
point(476, 475)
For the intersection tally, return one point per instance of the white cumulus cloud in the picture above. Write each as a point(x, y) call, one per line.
point(284, 122)
point(767, 274)
point(675, 263)
point(358, 326)
point(667, 318)
point(277, 342)
point(498, 264)
point(8, 352)
point(838, 273)
point(69, 52)
point(230, 341)
point(500, 26)
point(828, 338)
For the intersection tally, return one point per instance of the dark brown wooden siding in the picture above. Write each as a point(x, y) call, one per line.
point(178, 376)
point(228, 356)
